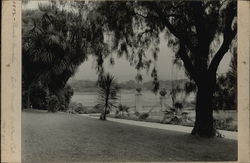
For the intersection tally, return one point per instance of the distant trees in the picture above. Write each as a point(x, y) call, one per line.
point(107, 93)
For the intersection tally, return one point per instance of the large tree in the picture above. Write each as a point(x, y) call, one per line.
point(53, 47)
point(200, 32)
point(58, 37)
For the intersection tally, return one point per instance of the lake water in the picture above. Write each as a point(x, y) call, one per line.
point(126, 98)
point(149, 99)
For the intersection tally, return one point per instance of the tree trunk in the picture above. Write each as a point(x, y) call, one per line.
point(103, 115)
point(204, 112)
point(28, 97)
point(105, 112)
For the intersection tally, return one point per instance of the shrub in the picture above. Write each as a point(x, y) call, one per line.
point(137, 113)
point(138, 90)
point(224, 124)
point(64, 97)
point(143, 116)
point(121, 109)
point(54, 104)
point(229, 119)
point(77, 108)
point(178, 105)
point(38, 96)
point(163, 92)
point(80, 109)
point(176, 120)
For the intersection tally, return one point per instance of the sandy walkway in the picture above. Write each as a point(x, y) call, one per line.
point(225, 134)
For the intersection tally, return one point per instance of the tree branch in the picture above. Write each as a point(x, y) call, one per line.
point(136, 13)
point(201, 30)
point(144, 32)
point(171, 28)
point(175, 6)
point(183, 38)
point(220, 54)
point(182, 50)
point(182, 53)
point(228, 36)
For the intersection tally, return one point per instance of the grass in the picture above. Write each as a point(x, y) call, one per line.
point(61, 137)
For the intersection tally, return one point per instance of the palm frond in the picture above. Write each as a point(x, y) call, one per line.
point(107, 91)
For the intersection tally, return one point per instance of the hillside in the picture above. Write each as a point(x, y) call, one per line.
point(90, 86)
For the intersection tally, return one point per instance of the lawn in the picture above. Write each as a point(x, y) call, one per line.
point(61, 137)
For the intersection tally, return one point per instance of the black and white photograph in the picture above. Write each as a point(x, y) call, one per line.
point(129, 81)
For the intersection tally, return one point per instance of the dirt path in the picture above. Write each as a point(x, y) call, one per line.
point(60, 137)
point(225, 134)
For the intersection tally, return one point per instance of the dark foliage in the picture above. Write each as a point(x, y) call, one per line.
point(54, 104)
point(80, 109)
point(64, 97)
point(39, 98)
point(143, 116)
point(121, 109)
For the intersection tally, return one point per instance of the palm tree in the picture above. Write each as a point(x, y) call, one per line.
point(107, 93)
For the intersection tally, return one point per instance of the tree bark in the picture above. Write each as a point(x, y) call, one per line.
point(204, 126)
point(103, 115)
point(28, 97)
point(105, 112)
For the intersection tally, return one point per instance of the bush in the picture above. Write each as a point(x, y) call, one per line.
point(64, 97)
point(143, 116)
point(137, 113)
point(163, 92)
point(54, 104)
point(224, 124)
point(121, 110)
point(80, 109)
point(98, 109)
point(77, 108)
point(178, 105)
point(38, 97)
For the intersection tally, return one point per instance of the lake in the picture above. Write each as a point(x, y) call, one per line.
point(149, 99)
point(126, 98)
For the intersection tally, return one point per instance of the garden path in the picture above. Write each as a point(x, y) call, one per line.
point(226, 134)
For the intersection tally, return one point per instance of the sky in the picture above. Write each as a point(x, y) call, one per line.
point(124, 72)
point(33, 4)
